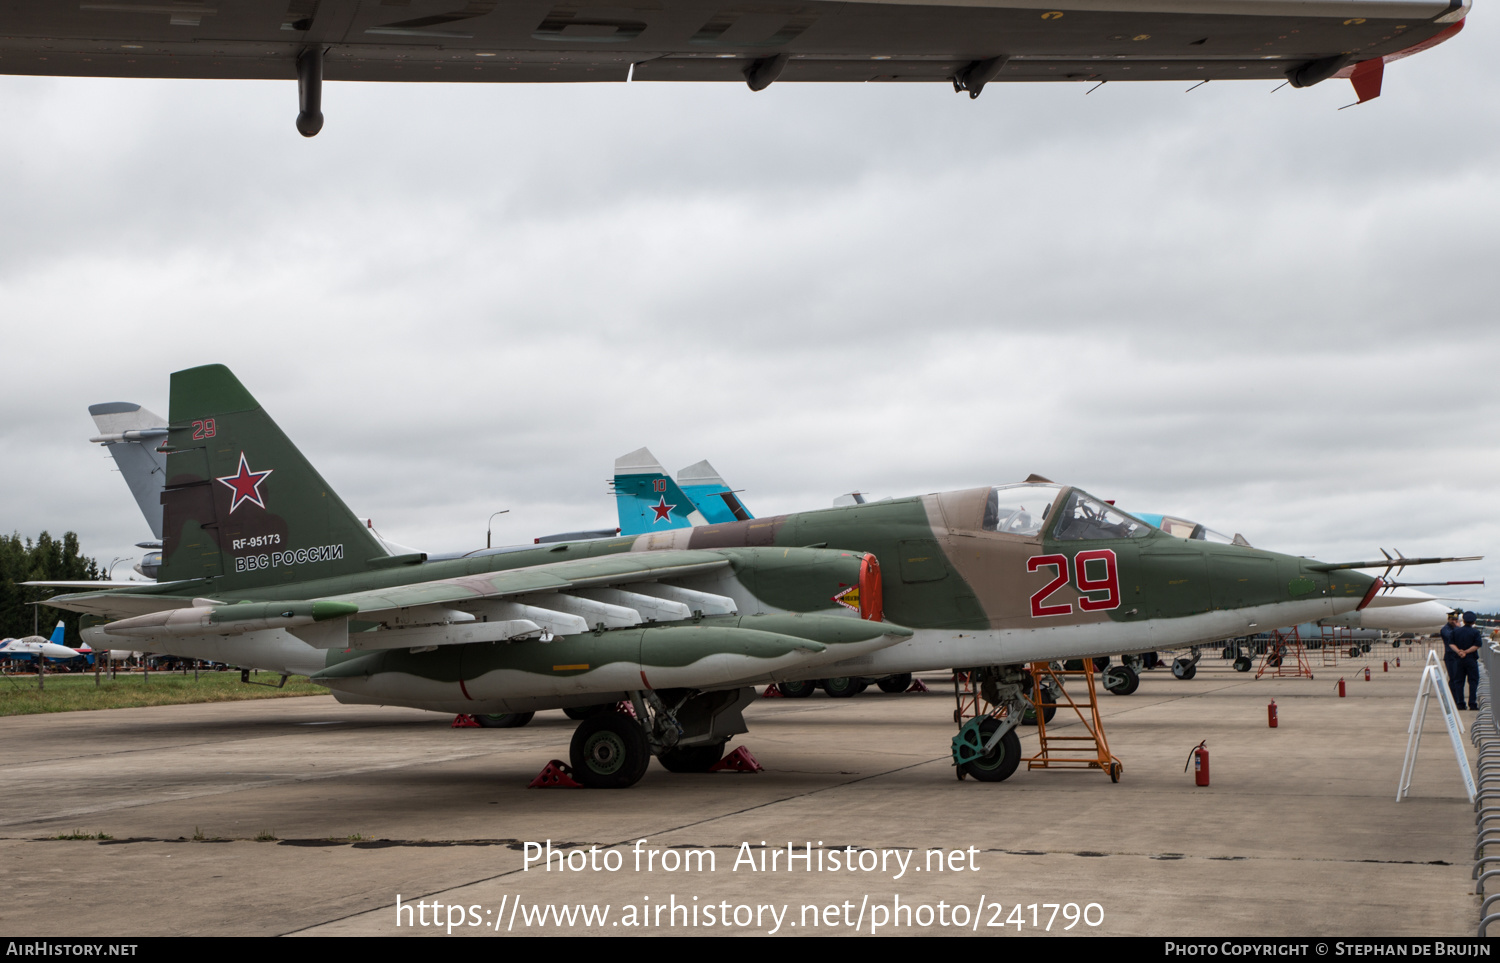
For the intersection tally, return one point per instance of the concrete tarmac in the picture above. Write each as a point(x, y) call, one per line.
point(1299, 833)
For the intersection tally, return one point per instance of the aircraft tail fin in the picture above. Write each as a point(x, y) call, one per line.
point(58, 634)
point(646, 497)
point(241, 504)
point(716, 500)
point(132, 435)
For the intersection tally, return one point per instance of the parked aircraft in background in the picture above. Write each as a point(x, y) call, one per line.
point(131, 434)
point(268, 568)
point(757, 42)
point(32, 647)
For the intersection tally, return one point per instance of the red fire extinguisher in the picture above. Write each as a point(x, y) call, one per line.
point(1387, 665)
point(1367, 673)
point(1199, 761)
point(1398, 661)
point(1341, 687)
point(1271, 714)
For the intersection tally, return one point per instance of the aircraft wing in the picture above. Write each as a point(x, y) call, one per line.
point(554, 577)
point(573, 596)
point(966, 42)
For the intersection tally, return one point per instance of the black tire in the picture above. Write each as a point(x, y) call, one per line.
point(1150, 660)
point(1364, 646)
point(1001, 762)
point(1028, 717)
point(895, 683)
point(505, 720)
point(609, 751)
point(581, 713)
point(1274, 660)
point(1353, 651)
point(798, 690)
point(1073, 665)
point(1183, 669)
point(1121, 680)
point(1242, 664)
point(1228, 653)
point(843, 687)
point(1101, 663)
point(691, 758)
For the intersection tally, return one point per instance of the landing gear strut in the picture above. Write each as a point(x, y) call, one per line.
point(685, 729)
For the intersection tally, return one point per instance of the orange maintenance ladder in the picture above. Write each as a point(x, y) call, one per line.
point(1281, 647)
point(1070, 752)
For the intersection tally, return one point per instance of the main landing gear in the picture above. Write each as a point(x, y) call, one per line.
point(685, 729)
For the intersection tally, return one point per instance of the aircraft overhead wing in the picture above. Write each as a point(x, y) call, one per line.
point(557, 576)
point(968, 43)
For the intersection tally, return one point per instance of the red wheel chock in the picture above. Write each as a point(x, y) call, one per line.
point(917, 686)
point(555, 775)
point(738, 761)
point(624, 706)
point(464, 722)
point(773, 691)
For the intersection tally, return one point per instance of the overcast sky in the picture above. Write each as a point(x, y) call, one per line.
point(1240, 305)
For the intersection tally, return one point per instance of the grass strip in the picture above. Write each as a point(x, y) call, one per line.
point(72, 692)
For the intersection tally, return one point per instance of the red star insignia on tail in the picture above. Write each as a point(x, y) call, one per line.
point(245, 484)
point(663, 510)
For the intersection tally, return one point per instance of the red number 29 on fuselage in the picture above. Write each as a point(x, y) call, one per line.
point(1085, 581)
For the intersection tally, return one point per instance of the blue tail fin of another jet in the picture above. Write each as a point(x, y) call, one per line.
point(711, 495)
point(57, 635)
point(647, 498)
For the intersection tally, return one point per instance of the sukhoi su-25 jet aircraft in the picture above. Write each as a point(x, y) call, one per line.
point(263, 565)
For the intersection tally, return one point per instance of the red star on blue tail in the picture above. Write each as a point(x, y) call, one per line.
point(245, 484)
point(663, 510)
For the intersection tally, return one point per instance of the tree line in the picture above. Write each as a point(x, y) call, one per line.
point(45, 559)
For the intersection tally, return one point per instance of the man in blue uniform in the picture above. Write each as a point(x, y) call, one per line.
point(1463, 661)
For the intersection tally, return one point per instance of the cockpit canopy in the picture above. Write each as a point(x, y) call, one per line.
point(1019, 509)
point(1086, 517)
point(1179, 527)
point(1025, 509)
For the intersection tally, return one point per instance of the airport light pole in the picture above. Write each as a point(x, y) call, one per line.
point(489, 527)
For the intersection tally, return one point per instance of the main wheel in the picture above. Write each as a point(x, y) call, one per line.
point(691, 758)
point(1353, 651)
point(1227, 654)
point(505, 720)
point(1121, 680)
point(798, 690)
point(1101, 663)
point(609, 751)
point(843, 687)
point(895, 683)
point(1242, 664)
point(1000, 762)
point(1184, 669)
point(1274, 660)
point(583, 712)
point(1150, 660)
